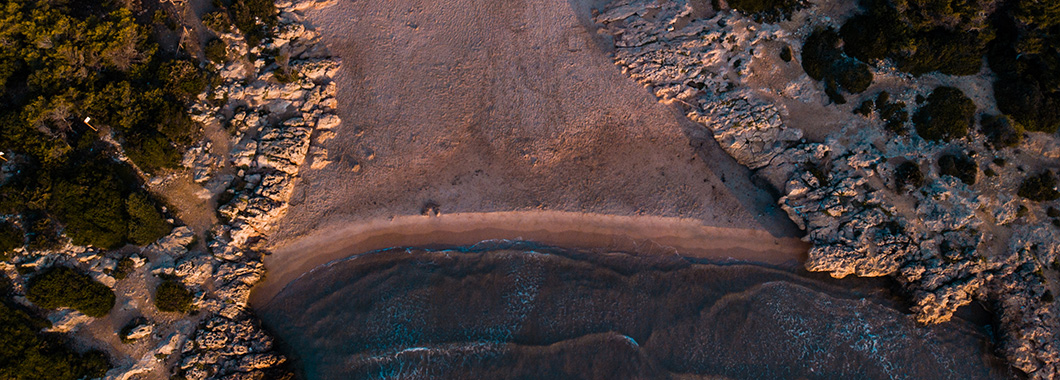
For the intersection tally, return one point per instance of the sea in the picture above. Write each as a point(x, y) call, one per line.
point(516, 310)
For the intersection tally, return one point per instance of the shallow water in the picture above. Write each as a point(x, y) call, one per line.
point(542, 313)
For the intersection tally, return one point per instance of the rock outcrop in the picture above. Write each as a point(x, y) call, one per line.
point(946, 242)
point(277, 114)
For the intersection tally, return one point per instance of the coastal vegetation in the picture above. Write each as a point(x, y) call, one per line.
point(908, 175)
point(11, 237)
point(1040, 187)
point(172, 296)
point(27, 353)
point(765, 10)
point(948, 114)
point(959, 166)
point(823, 60)
point(64, 287)
point(1020, 40)
point(893, 114)
point(61, 64)
point(1000, 131)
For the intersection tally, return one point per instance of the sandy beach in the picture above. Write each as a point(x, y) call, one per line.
point(633, 234)
point(513, 119)
point(479, 106)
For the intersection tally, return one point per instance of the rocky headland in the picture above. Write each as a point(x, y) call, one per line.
point(947, 240)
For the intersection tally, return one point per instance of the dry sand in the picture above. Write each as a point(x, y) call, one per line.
point(484, 106)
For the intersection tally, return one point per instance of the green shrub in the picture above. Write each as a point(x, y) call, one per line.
point(88, 199)
point(146, 223)
point(948, 52)
point(254, 18)
point(217, 21)
point(927, 36)
point(124, 267)
point(215, 51)
point(785, 53)
point(874, 35)
point(893, 114)
point(63, 287)
point(947, 115)
point(172, 296)
point(908, 174)
point(1000, 132)
point(1025, 101)
point(1026, 59)
point(26, 353)
point(1041, 187)
point(960, 167)
point(42, 233)
point(183, 79)
point(766, 10)
point(822, 60)
point(11, 237)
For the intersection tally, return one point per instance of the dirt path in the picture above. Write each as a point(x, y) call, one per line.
point(649, 235)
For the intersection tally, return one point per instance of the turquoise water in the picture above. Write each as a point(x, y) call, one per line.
point(516, 310)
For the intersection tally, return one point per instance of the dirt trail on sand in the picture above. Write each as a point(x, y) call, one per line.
point(635, 234)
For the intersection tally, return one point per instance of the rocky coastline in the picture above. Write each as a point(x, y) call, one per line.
point(947, 242)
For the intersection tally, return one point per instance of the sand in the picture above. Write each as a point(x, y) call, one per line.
point(488, 108)
point(643, 235)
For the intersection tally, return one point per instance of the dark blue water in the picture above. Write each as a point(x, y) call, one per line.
point(503, 310)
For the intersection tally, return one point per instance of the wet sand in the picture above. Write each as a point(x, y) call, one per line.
point(645, 235)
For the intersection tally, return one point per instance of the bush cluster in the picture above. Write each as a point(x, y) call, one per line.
point(255, 18)
point(64, 287)
point(146, 223)
point(948, 114)
point(893, 114)
point(1000, 131)
point(1020, 39)
point(824, 61)
point(908, 174)
point(1026, 58)
point(26, 353)
point(935, 35)
point(1041, 187)
point(961, 167)
point(11, 237)
point(124, 267)
point(765, 10)
point(62, 62)
point(216, 51)
point(172, 296)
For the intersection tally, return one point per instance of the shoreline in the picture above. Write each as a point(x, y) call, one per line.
point(649, 235)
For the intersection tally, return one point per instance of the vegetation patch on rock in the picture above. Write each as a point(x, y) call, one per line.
point(823, 60)
point(26, 353)
point(908, 174)
point(961, 167)
point(11, 237)
point(1041, 187)
point(1000, 131)
point(948, 114)
point(64, 287)
point(172, 296)
point(765, 10)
